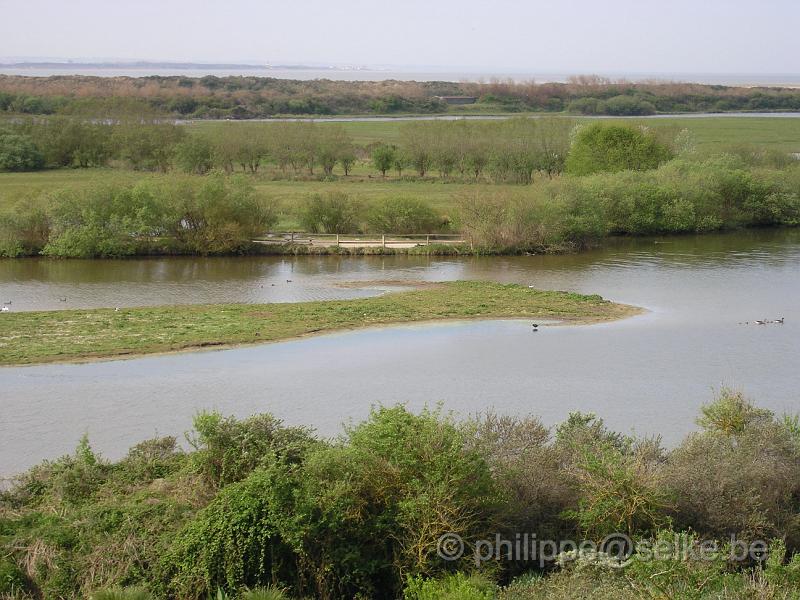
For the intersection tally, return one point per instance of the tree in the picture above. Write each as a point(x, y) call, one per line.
point(18, 153)
point(383, 158)
point(195, 155)
point(612, 148)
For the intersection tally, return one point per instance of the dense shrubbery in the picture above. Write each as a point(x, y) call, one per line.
point(683, 195)
point(215, 216)
point(257, 505)
point(239, 97)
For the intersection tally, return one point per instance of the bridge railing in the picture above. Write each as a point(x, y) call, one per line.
point(386, 240)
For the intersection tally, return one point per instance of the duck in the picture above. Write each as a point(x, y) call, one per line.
point(760, 322)
point(779, 321)
point(535, 326)
point(5, 309)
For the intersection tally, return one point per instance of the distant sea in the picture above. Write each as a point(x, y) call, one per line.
point(743, 79)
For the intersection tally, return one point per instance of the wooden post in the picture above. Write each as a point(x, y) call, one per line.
point(428, 240)
point(383, 240)
point(337, 240)
point(293, 237)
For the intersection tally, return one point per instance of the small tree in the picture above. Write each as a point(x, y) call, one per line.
point(195, 155)
point(383, 157)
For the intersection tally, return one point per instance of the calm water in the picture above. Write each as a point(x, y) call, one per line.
point(647, 374)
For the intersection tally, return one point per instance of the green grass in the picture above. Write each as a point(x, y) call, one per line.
point(37, 337)
point(711, 133)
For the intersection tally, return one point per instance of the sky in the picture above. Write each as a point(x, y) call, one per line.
point(574, 36)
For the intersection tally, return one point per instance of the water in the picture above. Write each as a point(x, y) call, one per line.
point(648, 374)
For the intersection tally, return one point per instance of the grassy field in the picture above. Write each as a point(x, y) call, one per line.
point(711, 133)
point(37, 337)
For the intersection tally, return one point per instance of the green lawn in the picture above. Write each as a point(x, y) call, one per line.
point(35, 337)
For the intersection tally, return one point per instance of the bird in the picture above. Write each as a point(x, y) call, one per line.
point(288, 281)
point(64, 299)
point(7, 302)
point(779, 321)
point(535, 326)
point(116, 309)
point(5, 309)
point(761, 322)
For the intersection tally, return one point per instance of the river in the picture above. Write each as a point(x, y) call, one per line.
point(647, 375)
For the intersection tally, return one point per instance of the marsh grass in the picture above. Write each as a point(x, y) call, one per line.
point(35, 337)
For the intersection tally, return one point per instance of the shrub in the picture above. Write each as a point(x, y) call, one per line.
point(741, 476)
point(332, 213)
point(18, 153)
point(402, 215)
point(599, 147)
point(457, 586)
point(228, 450)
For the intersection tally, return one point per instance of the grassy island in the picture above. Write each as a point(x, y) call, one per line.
point(67, 335)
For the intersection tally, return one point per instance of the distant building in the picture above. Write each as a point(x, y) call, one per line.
point(457, 99)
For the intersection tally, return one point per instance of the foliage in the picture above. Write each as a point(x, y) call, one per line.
point(332, 213)
point(457, 586)
point(610, 148)
point(402, 215)
point(18, 153)
point(260, 510)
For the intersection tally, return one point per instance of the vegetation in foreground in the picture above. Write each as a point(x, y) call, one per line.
point(257, 509)
point(27, 337)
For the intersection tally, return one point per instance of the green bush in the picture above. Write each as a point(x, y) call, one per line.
point(403, 215)
point(457, 586)
point(609, 148)
point(18, 153)
point(334, 212)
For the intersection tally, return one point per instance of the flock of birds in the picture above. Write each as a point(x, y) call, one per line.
point(764, 322)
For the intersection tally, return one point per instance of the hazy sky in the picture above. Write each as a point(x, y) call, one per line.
point(577, 36)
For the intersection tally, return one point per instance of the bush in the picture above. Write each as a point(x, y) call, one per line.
point(228, 450)
point(740, 476)
point(402, 215)
point(610, 148)
point(451, 587)
point(18, 153)
point(332, 213)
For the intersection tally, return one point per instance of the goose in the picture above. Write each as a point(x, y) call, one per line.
point(761, 322)
point(288, 281)
point(535, 326)
point(779, 321)
point(5, 309)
